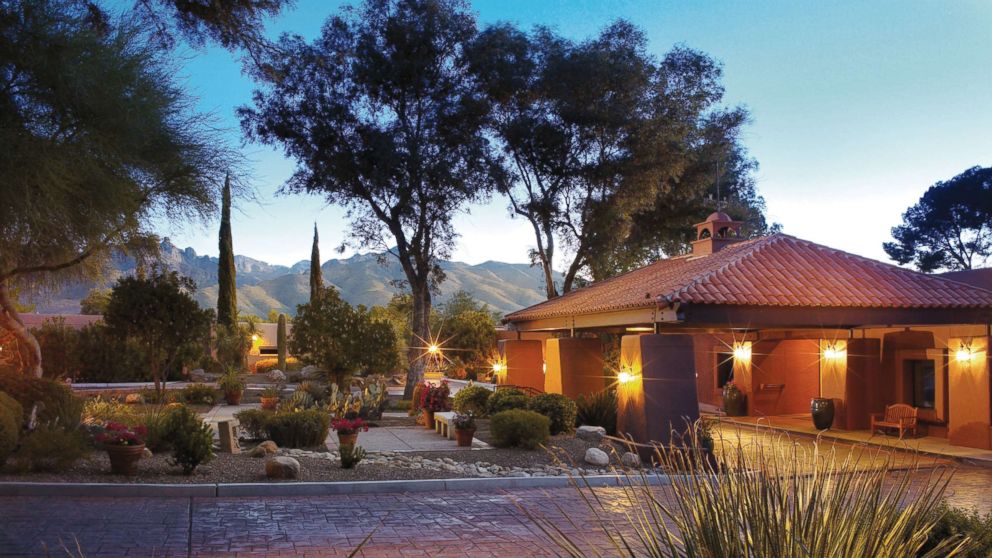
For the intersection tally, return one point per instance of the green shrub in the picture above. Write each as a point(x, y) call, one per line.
point(599, 409)
point(50, 448)
point(559, 409)
point(955, 522)
point(156, 420)
point(231, 382)
point(97, 410)
point(472, 399)
point(519, 428)
point(351, 455)
point(270, 364)
point(300, 429)
point(507, 399)
point(199, 394)
point(253, 422)
point(57, 406)
point(167, 396)
point(415, 399)
point(191, 438)
point(401, 404)
point(11, 419)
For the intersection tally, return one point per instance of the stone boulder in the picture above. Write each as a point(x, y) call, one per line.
point(134, 399)
point(267, 447)
point(198, 375)
point(590, 433)
point(282, 467)
point(147, 454)
point(309, 371)
point(597, 457)
point(630, 460)
point(276, 375)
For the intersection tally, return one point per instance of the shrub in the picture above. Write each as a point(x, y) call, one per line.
point(153, 396)
point(301, 429)
point(314, 389)
point(98, 410)
point(57, 406)
point(11, 419)
point(955, 522)
point(472, 399)
point(269, 364)
point(199, 394)
point(157, 424)
point(559, 409)
point(415, 399)
point(231, 383)
point(401, 405)
point(191, 438)
point(253, 422)
point(351, 455)
point(435, 398)
point(50, 448)
point(519, 428)
point(599, 409)
point(507, 399)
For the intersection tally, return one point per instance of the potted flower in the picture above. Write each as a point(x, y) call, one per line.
point(125, 445)
point(464, 428)
point(270, 398)
point(347, 429)
point(434, 399)
point(734, 400)
point(233, 387)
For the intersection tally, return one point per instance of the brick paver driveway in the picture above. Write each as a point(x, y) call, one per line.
point(448, 524)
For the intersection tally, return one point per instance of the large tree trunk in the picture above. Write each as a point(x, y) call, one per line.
point(421, 326)
point(11, 321)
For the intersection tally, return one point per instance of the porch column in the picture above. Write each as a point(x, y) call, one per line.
point(660, 392)
point(968, 392)
point(846, 368)
point(574, 366)
point(523, 363)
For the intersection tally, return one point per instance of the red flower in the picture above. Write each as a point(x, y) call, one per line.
point(117, 434)
point(349, 426)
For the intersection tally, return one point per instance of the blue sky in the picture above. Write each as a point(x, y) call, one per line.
point(857, 108)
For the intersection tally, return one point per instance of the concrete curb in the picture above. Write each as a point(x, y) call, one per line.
point(229, 490)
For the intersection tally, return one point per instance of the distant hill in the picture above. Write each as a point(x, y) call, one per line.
point(362, 279)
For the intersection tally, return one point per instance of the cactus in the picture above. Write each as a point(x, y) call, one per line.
point(351, 455)
point(281, 341)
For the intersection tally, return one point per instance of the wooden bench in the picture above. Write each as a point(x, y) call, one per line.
point(900, 416)
point(442, 424)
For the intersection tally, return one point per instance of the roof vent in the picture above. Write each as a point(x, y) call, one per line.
point(716, 232)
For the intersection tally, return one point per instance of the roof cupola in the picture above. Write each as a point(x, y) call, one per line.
point(716, 232)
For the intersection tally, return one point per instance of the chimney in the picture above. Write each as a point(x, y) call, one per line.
point(716, 232)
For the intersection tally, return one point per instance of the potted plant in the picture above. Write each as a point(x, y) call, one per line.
point(347, 429)
point(233, 387)
point(125, 445)
point(464, 428)
point(734, 400)
point(270, 397)
point(434, 399)
point(822, 409)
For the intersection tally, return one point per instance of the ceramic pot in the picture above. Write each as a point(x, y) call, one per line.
point(347, 439)
point(233, 397)
point(269, 403)
point(429, 419)
point(124, 459)
point(464, 436)
point(734, 402)
point(822, 410)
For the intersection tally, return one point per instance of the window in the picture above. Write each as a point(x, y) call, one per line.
point(268, 350)
point(724, 368)
point(924, 383)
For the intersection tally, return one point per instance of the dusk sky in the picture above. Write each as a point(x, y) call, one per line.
point(857, 108)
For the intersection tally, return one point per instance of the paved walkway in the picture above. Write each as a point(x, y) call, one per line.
point(404, 439)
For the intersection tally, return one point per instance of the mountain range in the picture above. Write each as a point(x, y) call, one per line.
point(362, 279)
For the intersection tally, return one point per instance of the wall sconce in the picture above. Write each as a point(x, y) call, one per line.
point(433, 349)
point(964, 354)
point(544, 367)
point(498, 367)
point(254, 338)
point(624, 377)
point(834, 352)
point(742, 352)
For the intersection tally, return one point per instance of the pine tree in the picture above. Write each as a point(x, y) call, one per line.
point(316, 278)
point(227, 294)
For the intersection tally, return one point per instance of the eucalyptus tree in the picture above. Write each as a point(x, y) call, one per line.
point(383, 117)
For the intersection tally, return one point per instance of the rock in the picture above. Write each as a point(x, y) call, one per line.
point(631, 460)
point(282, 467)
point(146, 454)
point(228, 437)
point(267, 447)
point(590, 433)
point(598, 457)
point(276, 376)
point(309, 371)
point(198, 375)
point(134, 399)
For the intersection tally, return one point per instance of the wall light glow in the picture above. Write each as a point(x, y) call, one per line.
point(433, 349)
point(497, 367)
point(742, 352)
point(832, 352)
point(624, 377)
point(964, 354)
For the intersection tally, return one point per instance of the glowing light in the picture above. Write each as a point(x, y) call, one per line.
point(742, 352)
point(544, 367)
point(254, 337)
point(964, 354)
point(433, 349)
point(833, 352)
point(639, 329)
point(497, 367)
point(624, 377)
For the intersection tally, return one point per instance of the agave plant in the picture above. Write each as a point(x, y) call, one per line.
point(768, 497)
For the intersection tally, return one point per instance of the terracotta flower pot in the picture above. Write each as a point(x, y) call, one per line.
point(124, 459)
point(429, 419)
point(233, 397)
point(347, 439)
point(269, 403)
point(464, 436)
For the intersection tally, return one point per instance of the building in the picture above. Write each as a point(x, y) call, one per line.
point(787, 320)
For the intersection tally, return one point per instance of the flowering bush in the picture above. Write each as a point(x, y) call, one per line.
point(349, 426)
point(117, 434)
point(435, 398)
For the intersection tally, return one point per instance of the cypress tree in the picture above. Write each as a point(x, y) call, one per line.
point(316, 277)
point(281, 341)
point(227, 294)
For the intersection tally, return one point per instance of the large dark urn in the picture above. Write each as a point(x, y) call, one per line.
point(823, 412)
point(734, 401)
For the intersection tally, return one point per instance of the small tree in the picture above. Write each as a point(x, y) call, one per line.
point(316, 277)
point(159, 313)
point(227, 289)
point(341, 340)
point(281, 341)
point(950, 227)
point(95, 303)
point(468, 329)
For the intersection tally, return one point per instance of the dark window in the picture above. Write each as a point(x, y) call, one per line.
point(268, 350)
point(924, 383)
point(724, 368)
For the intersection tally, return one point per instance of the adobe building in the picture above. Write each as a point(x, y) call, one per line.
point(786, 320)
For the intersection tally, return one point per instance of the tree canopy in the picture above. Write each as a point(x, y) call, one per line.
point(382, 117)
point(950, 227)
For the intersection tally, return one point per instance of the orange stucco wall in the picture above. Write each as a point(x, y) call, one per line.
point(574, 366)
point(524, 361)
point(785, 376)
point(969, 393)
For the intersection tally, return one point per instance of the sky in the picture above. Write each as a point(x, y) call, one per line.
point(857, 108)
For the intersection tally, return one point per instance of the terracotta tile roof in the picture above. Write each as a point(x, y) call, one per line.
point(776, 270)
point(975, 277)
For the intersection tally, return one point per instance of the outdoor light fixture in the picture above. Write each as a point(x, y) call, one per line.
point(254, 337)
point(624, 377)
point(433, 349)
point(497, 367)
point(742, 352)
point(639, 329)
point(832, 352)
point(964, 354)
